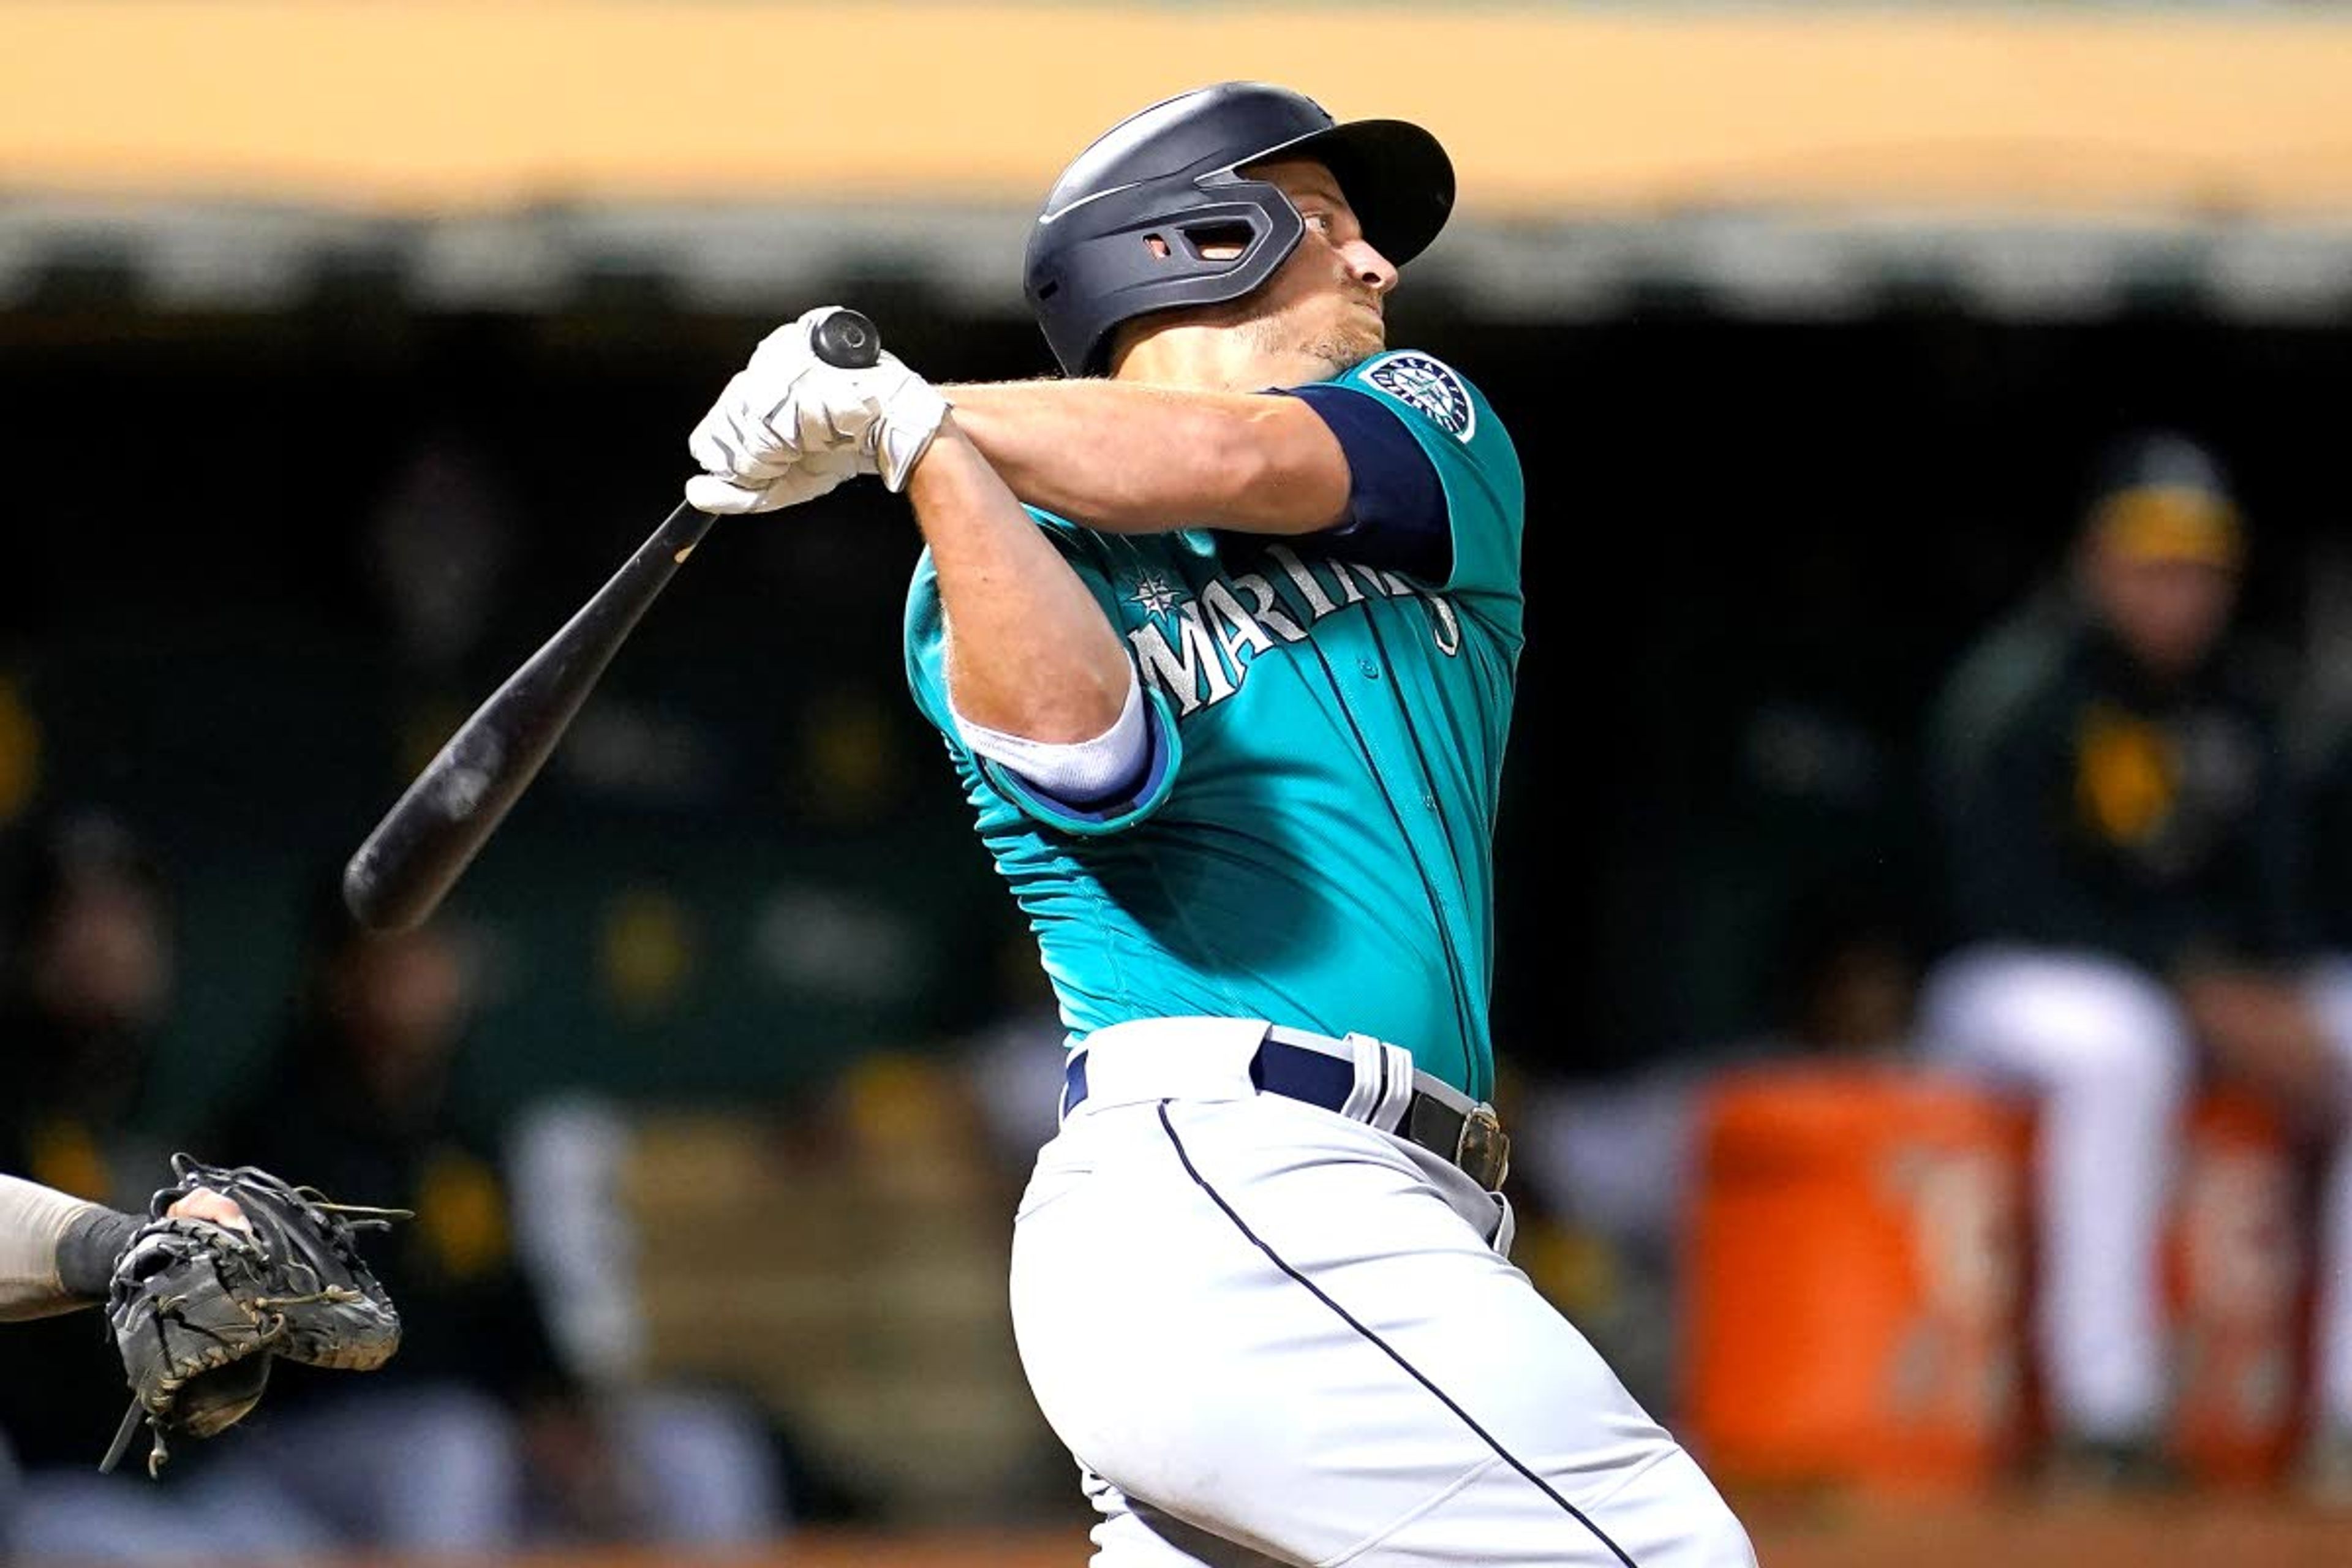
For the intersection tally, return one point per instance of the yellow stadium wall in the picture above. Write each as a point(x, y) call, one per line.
point(434, 105)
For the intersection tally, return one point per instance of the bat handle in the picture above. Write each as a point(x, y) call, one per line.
point(847, 340)
point(844, 339)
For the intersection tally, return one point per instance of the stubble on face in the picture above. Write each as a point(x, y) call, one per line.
point(1348, 343)
point(1335, 331)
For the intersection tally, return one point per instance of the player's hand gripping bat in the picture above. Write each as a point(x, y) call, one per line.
point(400, 873)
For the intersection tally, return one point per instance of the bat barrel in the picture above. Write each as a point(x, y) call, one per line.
point(402, 870)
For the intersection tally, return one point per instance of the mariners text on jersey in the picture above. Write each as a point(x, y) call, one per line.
point(1197, 651)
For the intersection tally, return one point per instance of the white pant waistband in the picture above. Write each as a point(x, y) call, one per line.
point(1358, 1076)
point(1210, 1058)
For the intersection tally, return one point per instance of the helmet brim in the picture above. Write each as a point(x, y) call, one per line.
point(1395, 175)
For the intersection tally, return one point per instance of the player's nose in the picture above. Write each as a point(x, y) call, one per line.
point(1372, 269)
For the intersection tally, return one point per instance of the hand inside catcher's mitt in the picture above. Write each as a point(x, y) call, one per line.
point(198, 1309)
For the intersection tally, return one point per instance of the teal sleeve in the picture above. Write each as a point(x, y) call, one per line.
point(926, 653)
point(1486, 496)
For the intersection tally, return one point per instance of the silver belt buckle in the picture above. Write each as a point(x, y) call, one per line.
point(1483, 1149)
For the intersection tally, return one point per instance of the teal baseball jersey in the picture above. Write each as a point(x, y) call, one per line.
point(1313, 841)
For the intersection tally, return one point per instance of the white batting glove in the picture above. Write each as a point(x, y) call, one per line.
point(894, 411)
point(805, 479)
point(884, 413)
point(788, 404)
point(753, 433)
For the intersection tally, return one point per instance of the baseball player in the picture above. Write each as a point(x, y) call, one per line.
point(1220, 633)
point(2122, 879)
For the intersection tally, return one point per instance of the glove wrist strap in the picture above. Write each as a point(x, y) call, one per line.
point(906, 431)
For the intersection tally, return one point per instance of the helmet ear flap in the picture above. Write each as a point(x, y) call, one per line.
point(1138, 261)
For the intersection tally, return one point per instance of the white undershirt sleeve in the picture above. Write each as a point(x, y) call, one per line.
point(33, 1220)
point(1077, 772)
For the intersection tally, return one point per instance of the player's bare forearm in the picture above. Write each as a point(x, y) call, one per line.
point(1029, 652)
point(1146, 459)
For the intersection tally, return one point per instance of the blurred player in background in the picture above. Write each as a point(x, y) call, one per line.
point(1221, 634)
point(427, 1456)
point(89, 974)
point(482, 1433)
point(2121, 851)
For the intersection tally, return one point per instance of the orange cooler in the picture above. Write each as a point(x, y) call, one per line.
point(1856, 1263)
point(2240, 1289)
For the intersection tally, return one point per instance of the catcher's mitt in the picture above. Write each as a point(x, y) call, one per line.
point(198, 1310)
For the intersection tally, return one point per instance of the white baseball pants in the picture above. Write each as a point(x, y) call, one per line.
point(2110, 1059)
point(1272, 1335)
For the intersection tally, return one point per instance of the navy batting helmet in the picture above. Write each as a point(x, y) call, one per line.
point(1172, 174)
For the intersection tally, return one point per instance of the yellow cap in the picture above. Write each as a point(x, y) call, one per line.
point(2171, 522)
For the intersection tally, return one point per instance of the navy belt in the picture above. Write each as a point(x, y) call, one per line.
point(1473, 1141)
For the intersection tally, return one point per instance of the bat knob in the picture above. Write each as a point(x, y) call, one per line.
point(848, 340)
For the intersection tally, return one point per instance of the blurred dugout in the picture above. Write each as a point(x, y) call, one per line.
point(405, 301)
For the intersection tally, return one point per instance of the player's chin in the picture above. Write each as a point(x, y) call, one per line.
point(1345, 350)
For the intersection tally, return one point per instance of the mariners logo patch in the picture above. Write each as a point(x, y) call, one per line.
point(1430, 386)
point(1154, 594)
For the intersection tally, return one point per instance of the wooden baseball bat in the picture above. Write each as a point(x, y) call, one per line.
point(403, 868)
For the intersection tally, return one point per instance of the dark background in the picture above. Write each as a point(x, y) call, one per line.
point(1752, 551)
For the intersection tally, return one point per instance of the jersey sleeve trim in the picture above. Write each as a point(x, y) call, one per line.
point(1396, 503)
point(1100, 818)
point(1477, 465)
